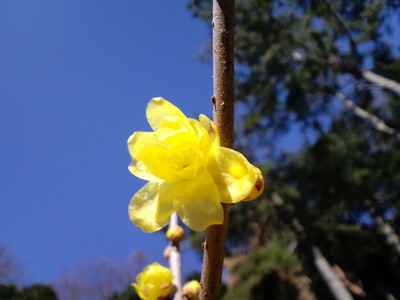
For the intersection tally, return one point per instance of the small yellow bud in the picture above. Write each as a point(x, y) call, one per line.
point(175, 234)
point(191, 290)
point(154, 282)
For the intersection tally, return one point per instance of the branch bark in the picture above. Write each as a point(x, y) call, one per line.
point(223, 111)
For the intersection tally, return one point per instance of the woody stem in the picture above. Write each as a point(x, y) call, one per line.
point(223, 111)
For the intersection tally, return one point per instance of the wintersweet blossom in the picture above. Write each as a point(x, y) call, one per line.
point(187, 169)
point(191, 290)
point(154, 282)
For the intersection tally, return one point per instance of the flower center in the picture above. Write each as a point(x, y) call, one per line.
point(185, 160)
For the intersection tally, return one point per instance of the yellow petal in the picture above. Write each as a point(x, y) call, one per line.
point(156, 160)
point(165, 118)
point(138, 142)
point(148, 211)
point(202, 138)
point(154, 282)
point(139, 172)
point(211, 129)
point(233, 174)
point(140, 291)
point(258, 187)
point(197, 201)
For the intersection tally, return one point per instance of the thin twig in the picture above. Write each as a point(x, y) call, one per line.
point(175, 261)
point(223, 104)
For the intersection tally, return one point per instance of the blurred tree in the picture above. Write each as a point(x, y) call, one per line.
point(101, 279)
point(34, 292)
point(322, 76)
point(10, 268)
point(10, 277)
point(128, 294)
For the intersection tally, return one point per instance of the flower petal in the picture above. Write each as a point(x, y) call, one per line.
point(148, 211)
point(140, 140)
point(197, 201)
point(150, 157)
point(258, 187)
point(211, 128)
point(137, 142)
point(233, 174)
point(154, 282)
point(165, 118)
point(202, 138)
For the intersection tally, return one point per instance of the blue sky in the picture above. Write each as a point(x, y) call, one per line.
point(75, 78)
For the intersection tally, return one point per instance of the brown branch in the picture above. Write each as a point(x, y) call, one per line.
point(223, 111)
point(354, 288)
point(223, 69)
point(213, 259)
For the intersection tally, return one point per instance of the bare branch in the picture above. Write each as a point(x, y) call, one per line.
point(381, 81)
point(376, 122)
point(175, 261)
point(354, 288)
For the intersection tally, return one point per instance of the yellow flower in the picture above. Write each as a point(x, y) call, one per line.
point(187, 170)
point(191, 290)
point(175, 234)
point(154, 283)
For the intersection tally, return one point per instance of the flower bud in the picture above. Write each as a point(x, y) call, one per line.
point(175, 234)
point(154, 282)
point(167, 252)
point(191, 290)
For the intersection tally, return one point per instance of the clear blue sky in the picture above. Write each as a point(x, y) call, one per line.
point(75, 78)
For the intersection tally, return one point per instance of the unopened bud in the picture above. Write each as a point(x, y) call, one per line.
point(175, 234)
point(191, 290)
point(167, 252)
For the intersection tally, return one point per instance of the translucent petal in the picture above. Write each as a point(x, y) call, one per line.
point(202, 138)
point(258, 187)
point(171, 127)
point(141, 172)
point(232, 173)
point(148, 156)
point(197, 201)
point(153, 160)
point(211, 128)
point(139, 141)
point(148, 211)
point(164, 117)
point(156, 160)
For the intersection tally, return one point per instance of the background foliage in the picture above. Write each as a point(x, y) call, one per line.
point(303, 76)
point(306, 81)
